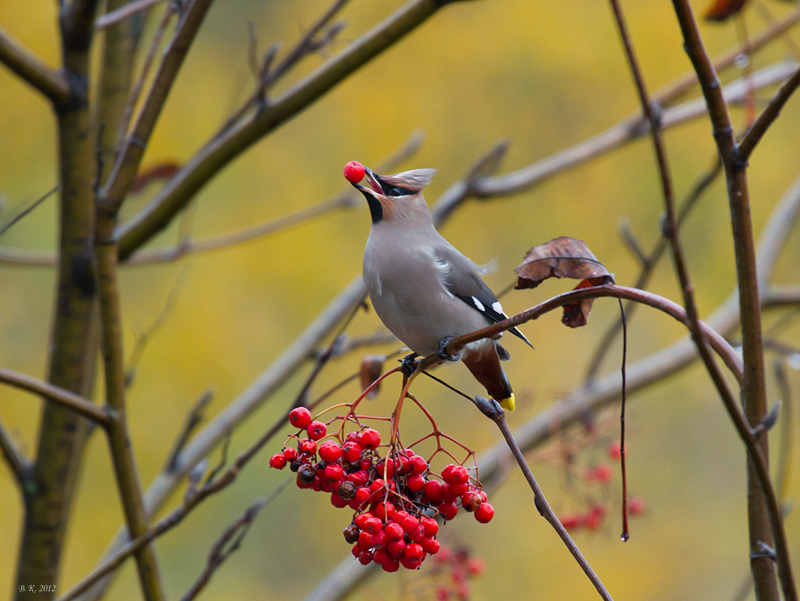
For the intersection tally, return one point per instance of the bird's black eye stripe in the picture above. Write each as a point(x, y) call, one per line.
point(395, 190)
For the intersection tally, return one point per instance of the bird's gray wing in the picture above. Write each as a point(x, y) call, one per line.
point(460, 279)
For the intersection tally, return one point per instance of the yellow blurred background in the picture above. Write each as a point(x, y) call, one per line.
point(543, 75)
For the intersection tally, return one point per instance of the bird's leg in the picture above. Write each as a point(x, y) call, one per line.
point(442, 352)
point(409, 364)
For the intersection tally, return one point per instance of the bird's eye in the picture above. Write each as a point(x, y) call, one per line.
point(396, 191)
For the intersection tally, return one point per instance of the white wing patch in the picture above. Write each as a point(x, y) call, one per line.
point(497, 307)
point(479, 305)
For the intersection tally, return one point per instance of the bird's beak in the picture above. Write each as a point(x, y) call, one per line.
point(373, 180)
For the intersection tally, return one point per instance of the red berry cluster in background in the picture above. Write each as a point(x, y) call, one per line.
point(396, 497)
point(602, 473)
point(451, 573)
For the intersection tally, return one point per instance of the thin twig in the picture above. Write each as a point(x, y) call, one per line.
point(222, 549)
point(544, 507)
point(767, 117)
point(56, 394)
point(27, 210)
point(16, 460)
point(194, 419)
point(142, 340)
point(131, 8)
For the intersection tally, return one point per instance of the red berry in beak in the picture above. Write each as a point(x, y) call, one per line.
point(354, 172)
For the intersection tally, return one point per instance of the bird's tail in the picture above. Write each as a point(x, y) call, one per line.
point(484, 363)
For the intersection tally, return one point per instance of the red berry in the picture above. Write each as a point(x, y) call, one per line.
point(379, 539)
point(351, 451)
point(333, 472)
point(384, 510)
point(430, 545)
point(600, 473)
point(307, 447)
point(373, 525)
point(365, 557)
point(459, 490)
point(358, 478)
point(300, 417)
point(365, 540)
point(410, 524)
point(615, 450)
point(377, 484)
point(394, 531)
point(431, 526)
point(410, 564)
point(571, 521)
point(290, 453)
point(277, 461)
point(330, 451)
point(448, 510)
point(369, 438)
point(362, 494)
point(433, 491)
point(316, 430)
point(337, 501)
point(417, 464)
point(636, 505)
point(399, 516)
point(415, 483)
point(391, 565)
point(475, 566)
point(354, 172)
point(361, 519)
point(471, 501)
point(395, 547)
point(413, 551)
point(484, 513)
point(460, 475)
point(447, 472)
point(380, 556)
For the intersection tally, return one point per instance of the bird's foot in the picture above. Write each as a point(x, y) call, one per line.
point(409, 364)
point(442, 352)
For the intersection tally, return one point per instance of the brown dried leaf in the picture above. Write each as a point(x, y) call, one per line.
point(371, 370)
point(164, 170)
point(721, 10)
point(564, 257)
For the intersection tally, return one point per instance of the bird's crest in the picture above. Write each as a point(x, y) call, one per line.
point(414, 180)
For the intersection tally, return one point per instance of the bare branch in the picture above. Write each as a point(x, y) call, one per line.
point(32, 70)
point(194, 419)
point(16, 460)
point(222, 550)
point(57, 395)
point(544, 507)
point(131, 8)
point(219, 151)
point(753, 135)
point(345, 199)
point(124, 173)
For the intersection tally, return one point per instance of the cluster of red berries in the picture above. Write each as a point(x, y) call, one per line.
point(601, 473)
point(396, 498)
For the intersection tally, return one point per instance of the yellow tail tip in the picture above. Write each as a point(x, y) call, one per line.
point(508, 403)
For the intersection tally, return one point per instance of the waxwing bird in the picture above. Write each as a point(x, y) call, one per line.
point(423, 289)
